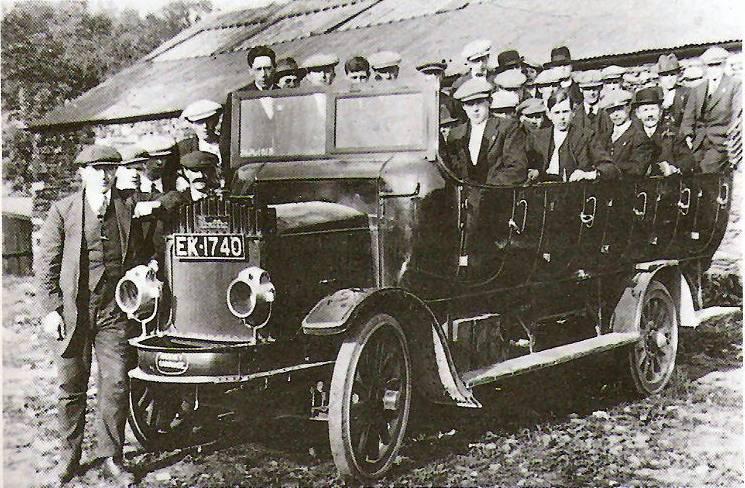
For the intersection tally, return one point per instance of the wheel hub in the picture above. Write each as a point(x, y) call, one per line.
point(660, 340)
point(391, 399)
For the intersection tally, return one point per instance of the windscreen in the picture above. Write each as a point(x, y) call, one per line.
point(283, 126)
point(391, 121)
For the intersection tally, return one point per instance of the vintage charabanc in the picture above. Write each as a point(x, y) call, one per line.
point(347, 262)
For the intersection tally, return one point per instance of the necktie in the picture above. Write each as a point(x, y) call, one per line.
point(101, 213)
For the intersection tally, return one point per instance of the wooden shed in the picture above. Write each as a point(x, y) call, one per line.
point(17, 230)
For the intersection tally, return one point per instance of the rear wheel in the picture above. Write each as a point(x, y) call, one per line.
point(370, 397)
point(652, 359)
point(162, 416)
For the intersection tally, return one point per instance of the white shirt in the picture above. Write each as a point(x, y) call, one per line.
point(590, 109)
point(149, 186)
point(210, 147)
point(713, 85)
point(98, 201)
point(667, 102)
point(559, 138)
point(618, 130)
point(474, 144)
point(650, 131)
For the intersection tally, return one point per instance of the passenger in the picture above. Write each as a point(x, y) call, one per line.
point(436, 70)
point(447, 122)
point(674, 96)
point(670, 153)
point(532, 114)
point(504, 104)
point(385, 65)
point(712, 108)
point(513, 81)
point(612, 78)
point(321, 69)
point(156, 150)
point(560, 152)
point(357, 70)
point(476, 55)
point(626, 146)
point(588, 116)
point(199, 175)
point(485, 149)
point(288, 74)
point(547, 82)
point(531, 69)
point(561, 60)
point(733, 66)
point(693, 75)
point(203, 117)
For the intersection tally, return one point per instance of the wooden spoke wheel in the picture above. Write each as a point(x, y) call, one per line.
point(652, 359)
point(161, 415)
point(369, 399)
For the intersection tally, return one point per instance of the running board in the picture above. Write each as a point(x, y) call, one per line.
point(549, 357)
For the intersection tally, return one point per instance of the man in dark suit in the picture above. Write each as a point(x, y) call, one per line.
point(626, 145)
point(674, 95)
point(486, 149)
point(713, 107)
point(561, 59)
point(670, 153)
point(89, 241)
point(562, 152)
point(588, 117)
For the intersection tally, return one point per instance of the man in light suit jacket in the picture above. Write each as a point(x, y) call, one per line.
point(89, 240)
point(486, 149)
point(713, 107)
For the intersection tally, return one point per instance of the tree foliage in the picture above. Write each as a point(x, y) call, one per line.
point(53, 52)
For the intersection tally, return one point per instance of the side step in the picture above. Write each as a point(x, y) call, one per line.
point(549, 357)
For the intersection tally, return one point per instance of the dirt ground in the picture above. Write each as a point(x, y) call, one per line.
point(570, 426)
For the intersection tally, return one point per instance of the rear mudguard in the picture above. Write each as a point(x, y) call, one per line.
point(627, 313)
point(434, 372)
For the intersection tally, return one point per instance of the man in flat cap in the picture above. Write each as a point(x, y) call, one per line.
point(626, 146)
point(546, 83)
point(89, 240)
point(151, 161)
point(198, 177)
point(674, 96)
point(203, 117)
point(670, 153)
point(512, 80)
point(321, 69)
point(532, 114)
point(485, 149)
point(612, 79)
point(504, 104)
point(385, 65)
point(588, 116)
point(692, 75)
point(476, 55)
point(357, 70)
point(288, 74)
point(712, 108)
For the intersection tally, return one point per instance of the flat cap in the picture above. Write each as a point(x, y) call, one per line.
point(510, 79)
point(438, 66)
point(197, 160)
point(590, 78)
point(615, 98)
point(98, 155)
point(648, 95)
point(287, 66)
point(473, 89)
point(201, 109)
point(667, 63)
point(693, 73)
point(612, 72)
point(715, 55)
point(504, 99)
point(531, 106)
point(549, 76)
point(532, 63)
point(321, 60)
point(384, 59)
point(476, 49)
point(133, 155)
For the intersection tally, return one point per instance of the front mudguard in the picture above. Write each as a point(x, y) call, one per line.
point(434, 372)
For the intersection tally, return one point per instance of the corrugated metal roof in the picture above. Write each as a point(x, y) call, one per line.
point(419, 29)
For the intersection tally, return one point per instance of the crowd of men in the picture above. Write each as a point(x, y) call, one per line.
point(512, 122)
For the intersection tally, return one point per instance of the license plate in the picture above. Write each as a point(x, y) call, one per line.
point(209, 246)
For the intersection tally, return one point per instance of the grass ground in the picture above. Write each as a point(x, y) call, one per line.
point(574, 425)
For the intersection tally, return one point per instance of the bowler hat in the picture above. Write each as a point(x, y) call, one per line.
point(508, 59)
point(668, 63)
point(197, 160)
point(652, 94)
point(98, 155)
point(560, 56)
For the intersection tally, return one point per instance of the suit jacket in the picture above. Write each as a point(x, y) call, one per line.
point(670, 146)
point(58, 260)
point(672, 117)
point(502, 159)
point(227, 121)
point(631, 153)
point(574, 153)
point(600, 124)
point(709, 118)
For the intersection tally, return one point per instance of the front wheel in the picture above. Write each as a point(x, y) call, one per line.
point(652, 359)
point(370, 397)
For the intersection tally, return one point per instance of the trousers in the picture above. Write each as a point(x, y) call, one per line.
point(105, 330)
